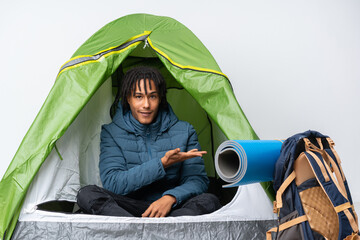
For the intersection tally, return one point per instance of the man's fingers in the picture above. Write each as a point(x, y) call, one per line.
point(146, 213)
point(174, 156)
point(203, 153)
point(172, 152)
point(193, 150)
point(153, 213)
point(149, 212)
point(182, 156)
point(196, 151)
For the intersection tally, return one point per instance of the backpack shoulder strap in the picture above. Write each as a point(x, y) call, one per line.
point(319, 159)
point(278, 203)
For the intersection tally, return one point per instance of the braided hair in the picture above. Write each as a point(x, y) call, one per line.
point(133, 77)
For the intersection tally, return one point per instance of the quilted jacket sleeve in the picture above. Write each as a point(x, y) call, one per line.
point(114, 174)
point(193, 179)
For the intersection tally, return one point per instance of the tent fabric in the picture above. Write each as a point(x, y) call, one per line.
point(229, 229)
point(233, 221)
point(187, 62)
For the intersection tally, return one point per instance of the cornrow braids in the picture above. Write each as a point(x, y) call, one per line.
point(133, 77)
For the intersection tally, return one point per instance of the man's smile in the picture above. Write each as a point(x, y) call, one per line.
point(146, 113)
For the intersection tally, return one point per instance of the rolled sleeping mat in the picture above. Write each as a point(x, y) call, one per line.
point(241, 162)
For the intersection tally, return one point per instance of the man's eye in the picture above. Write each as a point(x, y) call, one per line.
point(153, 96)
point(138, 97)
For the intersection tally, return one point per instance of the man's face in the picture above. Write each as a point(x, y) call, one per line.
point(144, 106)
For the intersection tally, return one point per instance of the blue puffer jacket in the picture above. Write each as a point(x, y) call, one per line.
point(130, 158)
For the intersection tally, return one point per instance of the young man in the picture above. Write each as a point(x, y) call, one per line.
point(150, 165)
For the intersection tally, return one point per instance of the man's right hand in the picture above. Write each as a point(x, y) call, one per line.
point(175, 156)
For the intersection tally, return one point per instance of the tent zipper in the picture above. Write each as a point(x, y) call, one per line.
point(146, 43)
point(81, 60)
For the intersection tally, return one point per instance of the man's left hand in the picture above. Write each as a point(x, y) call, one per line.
point(161, 207)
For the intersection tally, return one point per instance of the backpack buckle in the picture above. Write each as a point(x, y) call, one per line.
point(275, 209)
point(331, 142)
point(307, 143)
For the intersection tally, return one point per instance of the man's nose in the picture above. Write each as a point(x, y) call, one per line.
point(146, 102)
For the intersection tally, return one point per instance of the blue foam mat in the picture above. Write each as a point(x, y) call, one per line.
point(240, 162)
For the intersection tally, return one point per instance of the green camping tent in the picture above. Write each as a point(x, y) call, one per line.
point(197, 90)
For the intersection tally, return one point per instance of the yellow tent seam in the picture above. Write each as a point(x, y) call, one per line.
point(182, 66)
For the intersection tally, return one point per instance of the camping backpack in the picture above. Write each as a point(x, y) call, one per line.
point(312, 196)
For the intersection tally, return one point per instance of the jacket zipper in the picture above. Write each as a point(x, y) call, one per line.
point(147, 141)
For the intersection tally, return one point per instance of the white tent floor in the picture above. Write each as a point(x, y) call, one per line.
point(242, 218)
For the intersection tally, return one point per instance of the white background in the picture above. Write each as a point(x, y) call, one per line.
point(294, 65)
